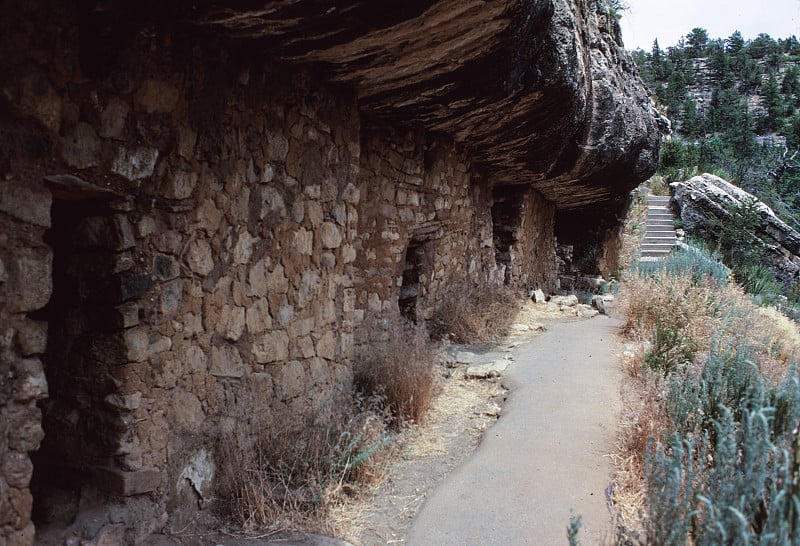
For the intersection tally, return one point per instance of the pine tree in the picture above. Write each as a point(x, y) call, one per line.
point(734, 43)
point(790, 84)
point(691, 125)
point(773, 103)
point(697, 40)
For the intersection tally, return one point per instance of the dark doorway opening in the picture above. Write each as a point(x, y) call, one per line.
point(78, 428)
point(411, 285)
point(508, 202)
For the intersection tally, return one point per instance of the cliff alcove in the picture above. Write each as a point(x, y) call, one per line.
point(201, 205)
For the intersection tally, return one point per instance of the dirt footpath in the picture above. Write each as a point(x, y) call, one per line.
point(548, 453)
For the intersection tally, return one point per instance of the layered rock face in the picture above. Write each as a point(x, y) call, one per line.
point(705, 200)
point(200, 206)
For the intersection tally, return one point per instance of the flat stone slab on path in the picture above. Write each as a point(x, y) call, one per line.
point(547, 453)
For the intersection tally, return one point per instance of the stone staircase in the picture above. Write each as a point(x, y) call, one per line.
point(660, 236)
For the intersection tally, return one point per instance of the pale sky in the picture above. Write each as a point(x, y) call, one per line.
point(668, 20)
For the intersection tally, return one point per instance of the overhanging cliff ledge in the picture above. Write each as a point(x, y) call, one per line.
point(540, 91)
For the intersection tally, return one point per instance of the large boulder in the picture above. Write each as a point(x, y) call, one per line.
point(705, 200)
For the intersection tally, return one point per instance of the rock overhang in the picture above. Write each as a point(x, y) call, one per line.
point(541, 92)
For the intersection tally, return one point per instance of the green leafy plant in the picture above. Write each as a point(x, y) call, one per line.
point(574, 528)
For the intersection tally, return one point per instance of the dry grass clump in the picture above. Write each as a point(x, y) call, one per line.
point(277, 476)
point(698, 314)
point(470, 313)
point(400, 368)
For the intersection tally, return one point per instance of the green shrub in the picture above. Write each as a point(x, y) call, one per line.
point(728, 475)
point(670, 348)
point(693, 260)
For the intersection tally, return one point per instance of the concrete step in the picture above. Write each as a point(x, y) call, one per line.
point(660, 216)
point(658, 199)
point(660, 231)
point(659, 222)
point(658, 246)
point(653, 253)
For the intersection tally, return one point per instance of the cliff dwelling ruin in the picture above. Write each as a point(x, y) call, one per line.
point(202, 204)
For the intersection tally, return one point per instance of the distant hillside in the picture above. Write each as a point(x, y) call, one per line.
point(735, 109)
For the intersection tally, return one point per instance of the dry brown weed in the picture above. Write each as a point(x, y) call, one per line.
point(400, 368)
point(470, 313)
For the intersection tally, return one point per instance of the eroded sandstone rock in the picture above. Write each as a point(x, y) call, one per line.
point(705, 200)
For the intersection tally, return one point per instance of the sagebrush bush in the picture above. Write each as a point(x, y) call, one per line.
point(400, 368)
point(470, 313)
point(721, 463)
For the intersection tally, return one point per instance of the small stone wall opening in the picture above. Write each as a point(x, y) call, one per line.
point(81, 429)
point(507, 208)
point(411, 284)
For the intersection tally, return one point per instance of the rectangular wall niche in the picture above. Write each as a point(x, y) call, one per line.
point(507, 207)
point(415, 269)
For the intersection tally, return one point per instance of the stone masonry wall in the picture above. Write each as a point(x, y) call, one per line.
point(522, 222)
point(187, 248)
point(424, 225)
point(25, 285)
point(204, 263)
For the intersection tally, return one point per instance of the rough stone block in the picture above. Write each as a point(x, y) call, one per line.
point(29, 280)
point(199, 257)
point(309, 289)
point(21, 502)
point(165, 267)
point(271, 347)
point(187, 138)
point(303, 241)
point(113, 233)
point(231, 322)
point(137, 343)
point(276, 280)
point(30, 383)
point(303, 348)
point(351, 194)
point(301, 327)
point(208, 216)
point(24, 427)
point(135, 164)
point(116, 289)
point(125, 484)
point(243, 249)
point(187, 411)
point(31, 337)
point(81, 148)
point(226, 362)
point(124, 402)
point(326, 346)
point(179, 185)
point(156, 96)
point(257, 316)
point(195, 359)
point(170, 299)
point(329, 235)
point(37, 98)
point(112, 120)
point(29, 202)
point(290, 380)
point(17, 469)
